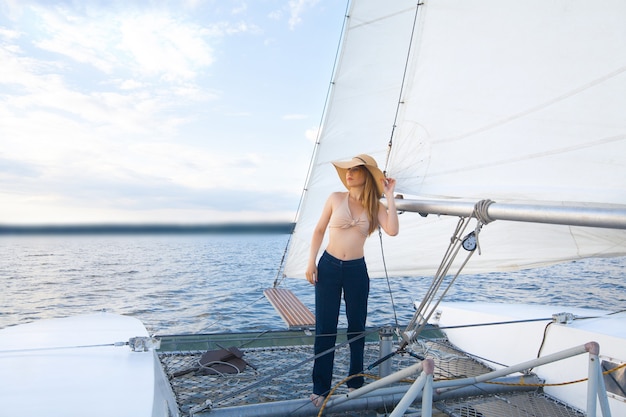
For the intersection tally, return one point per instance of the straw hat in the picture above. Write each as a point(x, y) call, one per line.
point(365, 160)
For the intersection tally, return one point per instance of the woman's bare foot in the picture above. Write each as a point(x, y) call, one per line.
point(317, 400)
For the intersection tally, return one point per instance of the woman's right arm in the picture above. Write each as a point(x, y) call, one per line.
point(316, 241)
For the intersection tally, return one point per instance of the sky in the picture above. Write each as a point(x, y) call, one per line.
point(186, 112)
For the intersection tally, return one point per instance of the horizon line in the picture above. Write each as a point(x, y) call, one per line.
point(148, 228)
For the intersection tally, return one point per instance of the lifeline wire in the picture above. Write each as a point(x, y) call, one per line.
point(292, 367)
point(116, 344)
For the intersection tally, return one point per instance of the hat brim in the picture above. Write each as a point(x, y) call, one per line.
point(343, 166)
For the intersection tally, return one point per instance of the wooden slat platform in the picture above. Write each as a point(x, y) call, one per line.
point(295, 314)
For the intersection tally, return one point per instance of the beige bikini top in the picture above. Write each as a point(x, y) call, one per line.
point(342, 218)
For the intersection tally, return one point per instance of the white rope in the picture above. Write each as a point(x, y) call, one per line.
point(209, 366)
point(481, 211)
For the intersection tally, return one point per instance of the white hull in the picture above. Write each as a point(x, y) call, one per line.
point(83, 366)
point(509, 344)
point(73, 367)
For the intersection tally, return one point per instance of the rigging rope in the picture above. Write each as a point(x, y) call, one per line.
point(555, 384)
point(481, 211)
point(393, 304)
point(279, 277)
point(282, 371)
point(431, 299)
point(402, 85)
point(389, 147)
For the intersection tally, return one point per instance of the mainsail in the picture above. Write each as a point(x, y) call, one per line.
point(473, 100)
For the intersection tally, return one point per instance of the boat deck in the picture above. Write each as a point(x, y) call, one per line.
point(241, 389)
point(283, 372)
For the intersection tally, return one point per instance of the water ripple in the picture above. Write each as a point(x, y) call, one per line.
point(211, 283)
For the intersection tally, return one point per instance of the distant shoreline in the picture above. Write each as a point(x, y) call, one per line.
point(117, 229)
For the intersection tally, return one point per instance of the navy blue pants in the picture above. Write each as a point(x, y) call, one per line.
point(335, 277)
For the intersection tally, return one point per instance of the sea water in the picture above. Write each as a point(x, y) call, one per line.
point(204, 283)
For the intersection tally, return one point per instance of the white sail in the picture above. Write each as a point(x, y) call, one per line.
point(490, 99)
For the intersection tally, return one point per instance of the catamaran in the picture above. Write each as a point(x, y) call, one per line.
point(503, 123)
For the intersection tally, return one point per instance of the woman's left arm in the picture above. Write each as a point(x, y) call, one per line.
point(388, 216)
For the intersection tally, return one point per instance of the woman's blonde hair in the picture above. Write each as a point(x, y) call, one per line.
point(370, 200)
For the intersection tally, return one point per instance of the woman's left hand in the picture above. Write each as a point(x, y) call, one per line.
point(389, 185)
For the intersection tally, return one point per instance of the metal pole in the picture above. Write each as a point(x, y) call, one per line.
point(604, 399)
point(410, 396)
point(385, 349)
point(601, 215)
point(446, 385)
point(395, 377)
point(382, 398)
point(427, 397)
point(592, 385)
point(596, 387)
point(428, 368)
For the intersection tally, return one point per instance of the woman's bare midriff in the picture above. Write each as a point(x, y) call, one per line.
point(347, 244)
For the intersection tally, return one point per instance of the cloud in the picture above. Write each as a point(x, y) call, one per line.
point(161, 46)
point(130, 84)
point(146, 42)
point(297, 9)
point(8, 34)
point(294, 10)
point(10, 169)
point(140, 205)
point(241, 8)
point(136, 107)
point(275, 14)
point(295, 117)
point(312, 134)
point(47, 90)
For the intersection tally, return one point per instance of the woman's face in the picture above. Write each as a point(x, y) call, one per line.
point(355, 176)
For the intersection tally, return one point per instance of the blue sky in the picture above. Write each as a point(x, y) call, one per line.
point(160, 111)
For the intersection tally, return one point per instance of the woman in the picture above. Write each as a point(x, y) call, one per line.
point(350, 217)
